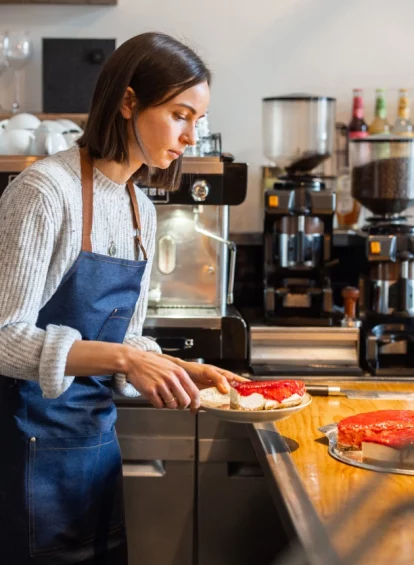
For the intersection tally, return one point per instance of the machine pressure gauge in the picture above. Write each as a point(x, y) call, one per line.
point(200, 190)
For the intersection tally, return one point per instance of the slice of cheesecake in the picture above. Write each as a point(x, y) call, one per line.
point(266, 395)
point(390, 448)
point(213, 398)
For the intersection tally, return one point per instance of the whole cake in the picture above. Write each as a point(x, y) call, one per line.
point(266, 395)
point(374, 427)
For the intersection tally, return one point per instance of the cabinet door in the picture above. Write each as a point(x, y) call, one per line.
point(158, 453)
point(159, 511)
point(238, 523)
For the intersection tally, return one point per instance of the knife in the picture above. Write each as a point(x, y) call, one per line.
point(328, 390)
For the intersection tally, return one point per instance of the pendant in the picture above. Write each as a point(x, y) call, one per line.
point(112, 249)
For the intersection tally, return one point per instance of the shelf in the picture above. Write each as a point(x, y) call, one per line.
point(191, 165)
point(78, 2)
point(79, 119)
point(17, 163)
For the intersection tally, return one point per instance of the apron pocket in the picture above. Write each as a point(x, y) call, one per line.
point(75, 492)
point(116, 326)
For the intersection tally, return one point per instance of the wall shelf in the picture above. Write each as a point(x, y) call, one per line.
point(79, 2)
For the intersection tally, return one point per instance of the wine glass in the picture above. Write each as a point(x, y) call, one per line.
point(18, 47)
point(4, 64)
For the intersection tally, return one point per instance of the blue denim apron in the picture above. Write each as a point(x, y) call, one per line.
point(60, 469)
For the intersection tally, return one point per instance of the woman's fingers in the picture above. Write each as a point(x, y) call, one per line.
point(233, 377)
point(168, 398)
point(164, 383)
point(221, 382)
point(238, 378)
point(179, 387)
point(190, 389)
point(155, 399)
point(221, 378)
point(173, 394)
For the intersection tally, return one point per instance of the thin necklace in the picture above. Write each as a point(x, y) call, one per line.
point(112, 247)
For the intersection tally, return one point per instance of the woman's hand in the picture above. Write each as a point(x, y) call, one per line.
point(209, 375)
point(164, 383)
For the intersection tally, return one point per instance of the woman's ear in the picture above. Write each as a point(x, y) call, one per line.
point(128, 103)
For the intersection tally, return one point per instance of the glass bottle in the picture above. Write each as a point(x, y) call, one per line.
point(18, 48)
point(379, 124)
point(357, 127)
point(403, 125)
point(347, 208)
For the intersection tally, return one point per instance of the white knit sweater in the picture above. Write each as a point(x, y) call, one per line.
point(40, 238)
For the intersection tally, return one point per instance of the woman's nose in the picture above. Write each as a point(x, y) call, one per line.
point(190, 136)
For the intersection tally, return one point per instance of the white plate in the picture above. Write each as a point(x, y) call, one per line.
point(256, 416)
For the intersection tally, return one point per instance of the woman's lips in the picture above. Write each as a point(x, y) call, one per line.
point(175, 154)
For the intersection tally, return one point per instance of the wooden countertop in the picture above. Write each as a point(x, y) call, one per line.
point(331, 486)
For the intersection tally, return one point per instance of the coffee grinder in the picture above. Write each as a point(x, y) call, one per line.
point(383, 181)
point(299, 210)
point(302, 333)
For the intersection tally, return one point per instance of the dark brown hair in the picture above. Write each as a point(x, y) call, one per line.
point(157, 67)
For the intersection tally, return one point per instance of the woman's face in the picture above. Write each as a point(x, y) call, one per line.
point(167, 129)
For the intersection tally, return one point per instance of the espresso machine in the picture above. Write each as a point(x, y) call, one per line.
point(303, 332)
point(383, 181)
point(190, 309)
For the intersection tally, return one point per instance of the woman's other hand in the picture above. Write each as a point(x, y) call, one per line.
point(209, 375)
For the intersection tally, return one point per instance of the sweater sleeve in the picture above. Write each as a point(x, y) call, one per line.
point(134, 335)
point(27, 236)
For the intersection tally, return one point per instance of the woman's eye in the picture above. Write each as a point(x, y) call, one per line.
point(180, 117)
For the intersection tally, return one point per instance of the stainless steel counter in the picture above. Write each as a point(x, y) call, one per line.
point(284, 483)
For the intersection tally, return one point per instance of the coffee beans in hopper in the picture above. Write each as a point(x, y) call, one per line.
point(384, 186)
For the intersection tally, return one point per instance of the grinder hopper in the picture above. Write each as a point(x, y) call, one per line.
point(298, 131)
point(383, 173)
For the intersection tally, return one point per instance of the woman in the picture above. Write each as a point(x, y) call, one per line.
point(77, 243)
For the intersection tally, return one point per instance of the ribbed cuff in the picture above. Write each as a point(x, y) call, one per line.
point(124, 388)
point(56, 346)
point(143, 343)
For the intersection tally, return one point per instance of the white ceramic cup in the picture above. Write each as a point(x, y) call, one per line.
point(71, 137)
point(22, 121)
point(46, 142)
point(69, 125)
point(16, 142)
point(55, 142)
point(53, 125)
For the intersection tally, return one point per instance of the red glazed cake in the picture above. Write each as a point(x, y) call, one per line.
point(371, 426)
point(266, 395)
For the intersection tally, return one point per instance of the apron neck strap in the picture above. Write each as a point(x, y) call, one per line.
point(86, 163)
point(135, 217)
point(87, 198)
